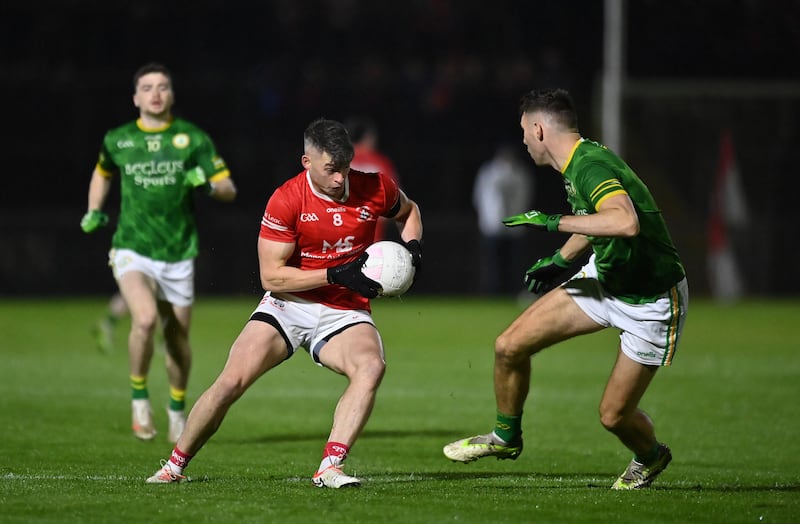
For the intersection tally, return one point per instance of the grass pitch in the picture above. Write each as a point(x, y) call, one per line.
point(729, 408)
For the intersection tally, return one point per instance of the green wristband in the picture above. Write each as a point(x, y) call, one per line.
point(552, 222)
point(559, 260)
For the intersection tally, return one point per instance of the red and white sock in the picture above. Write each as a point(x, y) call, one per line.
point(178, 460)
point(334, 455)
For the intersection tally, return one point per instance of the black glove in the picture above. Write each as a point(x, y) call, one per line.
point(415, 247)
point(546, 273)
point(350, 276)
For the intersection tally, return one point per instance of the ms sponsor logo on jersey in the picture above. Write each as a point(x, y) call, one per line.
point(365, 214)
point(181, 141)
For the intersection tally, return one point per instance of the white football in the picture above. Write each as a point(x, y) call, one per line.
point(389, 264)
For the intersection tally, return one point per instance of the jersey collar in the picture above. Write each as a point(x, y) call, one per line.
point(146, 129)
point(571, 154)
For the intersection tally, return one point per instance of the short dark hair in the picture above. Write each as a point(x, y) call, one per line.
point(150, 67)
point(330, 136)
point(556, 102)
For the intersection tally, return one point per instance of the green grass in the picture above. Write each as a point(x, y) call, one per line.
point(729, 408)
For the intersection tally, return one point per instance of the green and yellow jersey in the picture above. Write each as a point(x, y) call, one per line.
point(157, 207)
point(635, 269)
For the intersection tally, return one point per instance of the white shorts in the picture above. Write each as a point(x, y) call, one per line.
point(649, 332)
point(174, 280)
point(306, 324)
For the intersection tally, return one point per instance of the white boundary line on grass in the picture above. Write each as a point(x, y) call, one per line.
point(14, 476)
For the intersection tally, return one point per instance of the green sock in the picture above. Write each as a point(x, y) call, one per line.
point(508, 427)
point(139, 387)
point(649, 457)
point(177, 399)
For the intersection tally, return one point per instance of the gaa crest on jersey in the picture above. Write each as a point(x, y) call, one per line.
point(180, 141)
point(569, 188)
point(365, 214)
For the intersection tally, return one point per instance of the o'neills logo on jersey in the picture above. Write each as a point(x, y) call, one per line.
point(364, 214)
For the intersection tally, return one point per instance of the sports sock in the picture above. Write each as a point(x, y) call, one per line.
point(334, 455)
point(179, 460)
point(177, 399)
point(649, 457)
point(139, 387)
point(508, 427)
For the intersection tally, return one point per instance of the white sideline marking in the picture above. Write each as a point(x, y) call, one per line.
point(14, 476)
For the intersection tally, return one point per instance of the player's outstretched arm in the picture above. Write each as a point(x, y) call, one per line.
point(615, 217)
point(534, 219)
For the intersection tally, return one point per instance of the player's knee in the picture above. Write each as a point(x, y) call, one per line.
point(611, 418)
point(227, 389)
point(505, 349)
point(146, 324)
point(372, 370)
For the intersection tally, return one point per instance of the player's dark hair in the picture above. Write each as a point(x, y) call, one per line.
point(556, 102)
point(151, 67)
point(330, 136)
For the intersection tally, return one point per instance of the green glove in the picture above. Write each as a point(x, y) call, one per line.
point(196, 177)
point(534, 219)
point(544, 274)
point(93, 220)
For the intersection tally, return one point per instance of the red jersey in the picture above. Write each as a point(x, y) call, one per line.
point(373, 161)
point(325, 232)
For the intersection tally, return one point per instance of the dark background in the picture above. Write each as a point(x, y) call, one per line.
point(441, 78)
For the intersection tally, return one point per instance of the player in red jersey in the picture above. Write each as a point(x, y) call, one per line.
point(369, 158)
point(314, 234)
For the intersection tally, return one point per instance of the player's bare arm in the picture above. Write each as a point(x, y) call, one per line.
point(408, 219)
point(574, 247)
point(223, 189)
point(616, 217)
point(279, 277)
point(99, 187)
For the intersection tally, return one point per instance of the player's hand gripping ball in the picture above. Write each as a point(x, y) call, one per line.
point(391, 265)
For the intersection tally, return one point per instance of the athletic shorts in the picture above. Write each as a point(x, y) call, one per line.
point(650, 332)
point(174, 280)
point(307, 324)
